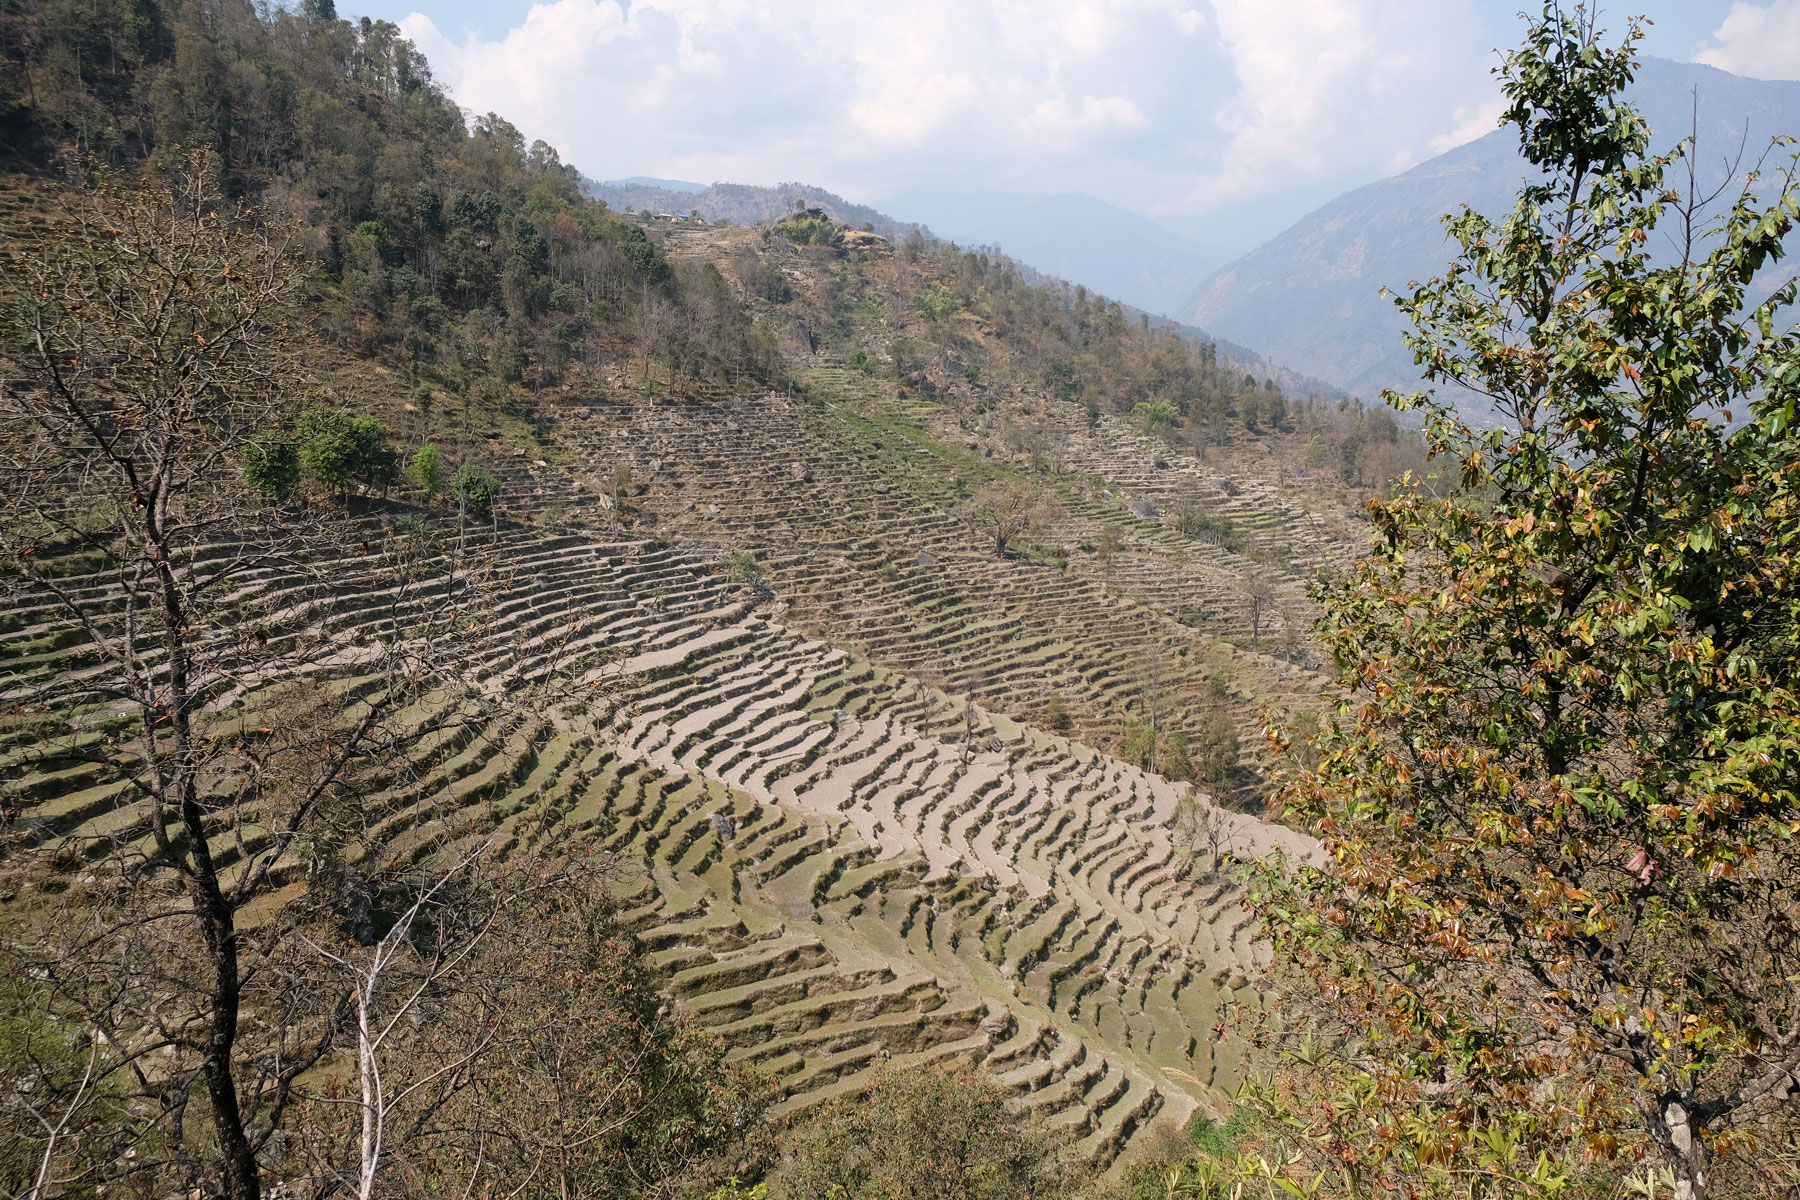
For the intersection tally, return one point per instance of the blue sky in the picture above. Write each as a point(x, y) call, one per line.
point(1224, 119)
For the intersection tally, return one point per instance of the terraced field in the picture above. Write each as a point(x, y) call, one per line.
point(850, 504)
point(837, 863)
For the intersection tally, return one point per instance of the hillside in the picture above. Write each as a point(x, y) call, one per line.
point(1309, 297)
point(508, 695)
point(890, 627)
point(741, 204)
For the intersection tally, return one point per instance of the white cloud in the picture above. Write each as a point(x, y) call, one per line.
point(1169, 106)
point(1758, 40)
point(1472, 121)
point(1330, 84)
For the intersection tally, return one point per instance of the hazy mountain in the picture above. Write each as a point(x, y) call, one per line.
point(1308, 298)
point(650, 181)
point(1120, 254)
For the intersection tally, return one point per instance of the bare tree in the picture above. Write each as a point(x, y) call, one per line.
point(396, 964)
point(154, 341)
point(1203, 826)
point(1259, 595)
point(1009, 510)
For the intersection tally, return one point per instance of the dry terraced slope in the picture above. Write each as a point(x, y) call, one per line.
point(829, 872)
point(849, 501)
point(836, 827)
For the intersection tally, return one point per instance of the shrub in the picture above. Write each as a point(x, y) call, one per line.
point(742, 567)
point(475, 488)
point(932, 1132)
point(428, 470)
point(272, 469)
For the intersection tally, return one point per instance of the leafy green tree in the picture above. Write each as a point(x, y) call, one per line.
point(272, 469)
point(1156, 415)
point(939, 303)
point(428, 469)
point(1559, 806)
point(338, 449)
point(475, 488)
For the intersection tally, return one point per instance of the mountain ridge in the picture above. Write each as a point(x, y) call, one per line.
point(1310, 297)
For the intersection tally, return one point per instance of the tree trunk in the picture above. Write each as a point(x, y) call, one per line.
point(372, 1098)
point(242, 1181)
point(213, 911)
point(1683, 1148)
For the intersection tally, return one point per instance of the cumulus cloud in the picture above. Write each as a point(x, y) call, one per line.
point(1168, 106)
point(1472, 121)
point(1327, 84)
point(1758, 40)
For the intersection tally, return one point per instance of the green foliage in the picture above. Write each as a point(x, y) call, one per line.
point(1156, 415)
point(732, 1189)
point(272, 469)
point(939, 303)
point(807, 229)
point(1202, 524)
point(1216, 1139)
point(1559, 804)
point(338, 449)
point(932, 1133)
point(423, 218)
point(1138, 745)
point(428, 470)
point(475, 488)
point(1214, 751)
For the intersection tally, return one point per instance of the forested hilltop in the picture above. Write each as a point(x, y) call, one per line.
point(504, 696)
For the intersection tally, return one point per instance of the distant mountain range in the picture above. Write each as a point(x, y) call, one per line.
point(646, 181)
point(1309, 298)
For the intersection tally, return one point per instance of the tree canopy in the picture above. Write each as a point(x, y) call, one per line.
point(1560, 802)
